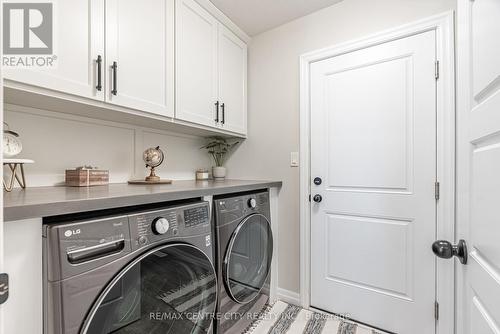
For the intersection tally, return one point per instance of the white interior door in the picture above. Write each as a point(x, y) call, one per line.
point(196, 64)
point(373, 144)
point(78, 42)
point(478, 166)
point(140, 40)
point(232, 81)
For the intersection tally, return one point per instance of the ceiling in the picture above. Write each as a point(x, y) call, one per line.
point(256, 16)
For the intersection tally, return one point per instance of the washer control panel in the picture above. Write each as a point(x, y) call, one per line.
point(196, 216)
point(150, 227)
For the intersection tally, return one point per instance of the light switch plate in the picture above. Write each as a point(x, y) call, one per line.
point(294, 159)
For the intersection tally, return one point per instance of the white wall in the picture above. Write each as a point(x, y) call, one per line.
point(274, 99)
point(59, 141)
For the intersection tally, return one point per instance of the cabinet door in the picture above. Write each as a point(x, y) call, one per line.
point(140, 41)
point(196, 64)
point(78, 41)
point(24, 266)
point(232, 81)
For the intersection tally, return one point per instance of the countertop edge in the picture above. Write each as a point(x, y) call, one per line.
point(28, 211)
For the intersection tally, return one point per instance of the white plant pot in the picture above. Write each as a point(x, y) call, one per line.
point(219, 173)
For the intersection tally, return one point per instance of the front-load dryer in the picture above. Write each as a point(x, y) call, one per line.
point(136, 273)
point(244, 247)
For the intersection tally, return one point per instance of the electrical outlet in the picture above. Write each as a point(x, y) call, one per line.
point(294, 159)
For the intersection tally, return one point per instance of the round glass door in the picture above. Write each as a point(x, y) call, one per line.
point(248, 258)
point(170, 289)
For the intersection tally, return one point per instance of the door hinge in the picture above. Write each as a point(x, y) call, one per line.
point(436, 190)
point(437, 69)
point(436, 310)
point(4, 288)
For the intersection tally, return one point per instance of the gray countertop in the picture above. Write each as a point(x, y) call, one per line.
point(50, 201)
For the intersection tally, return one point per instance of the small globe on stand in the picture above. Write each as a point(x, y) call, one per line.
point(153, 157)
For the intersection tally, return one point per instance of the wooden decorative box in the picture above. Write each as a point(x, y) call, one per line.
point(82, 177)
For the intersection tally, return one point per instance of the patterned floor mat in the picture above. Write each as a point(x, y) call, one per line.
point(284, 318)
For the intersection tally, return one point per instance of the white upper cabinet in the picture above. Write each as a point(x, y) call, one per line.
point(196, 64)
point(139, 55)
point(211, 64)
point(232, 81)
point(177, 61)
point(78, 42)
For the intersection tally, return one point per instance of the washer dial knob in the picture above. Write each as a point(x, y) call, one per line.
point(160, 225)
point(252, 203)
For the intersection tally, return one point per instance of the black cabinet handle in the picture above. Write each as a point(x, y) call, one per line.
point(223, 108)
point(99, 73)
point(216, 112)
point(114, 91)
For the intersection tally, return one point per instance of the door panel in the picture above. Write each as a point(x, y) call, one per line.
point(361, 144)
point(140, 39)
point(363, 272)
point(247, 261)
point(373, 142)
point(485, 48)
point(478, 157)
point(79, 40)
point(232, 80)
point(196, 63)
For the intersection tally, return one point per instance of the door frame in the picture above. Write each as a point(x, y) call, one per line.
point(443, 24)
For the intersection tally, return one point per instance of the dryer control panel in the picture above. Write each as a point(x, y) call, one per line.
point(230, 209)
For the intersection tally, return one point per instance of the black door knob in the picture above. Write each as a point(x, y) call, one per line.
point(445, 250)
point(317, 181)
point(317, 198)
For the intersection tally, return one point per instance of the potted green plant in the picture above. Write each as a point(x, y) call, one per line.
point(218, 148)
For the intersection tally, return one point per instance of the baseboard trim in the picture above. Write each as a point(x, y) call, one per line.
point(288, 296)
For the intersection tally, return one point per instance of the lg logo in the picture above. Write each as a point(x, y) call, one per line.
point(69, 233)
point(28, 28)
